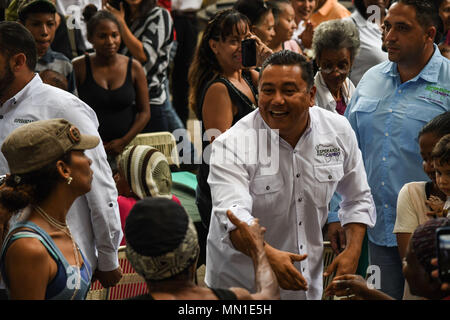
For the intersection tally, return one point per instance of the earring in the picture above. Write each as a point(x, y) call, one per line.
point(69, 180)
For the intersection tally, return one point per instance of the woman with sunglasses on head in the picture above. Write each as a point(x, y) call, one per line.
point(335, 45)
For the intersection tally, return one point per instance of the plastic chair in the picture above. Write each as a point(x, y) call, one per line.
point(129, 286)
point(163, 141)
point(328, 256)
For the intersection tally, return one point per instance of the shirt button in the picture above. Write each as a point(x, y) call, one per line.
point(298, 175)
point(386, 134)
point(382, 183)
point(300, 199)
point(386, 206)
point(301, 246)
point(384, 158)
point(267, 188)
point(399, 91)
point(111, 204)
point(295, 151)
point(300, 223)
point(390, 110)
point(329, 177)
point(1, 116)
point(303, 269)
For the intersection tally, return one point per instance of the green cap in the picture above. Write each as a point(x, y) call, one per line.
point(37, 144)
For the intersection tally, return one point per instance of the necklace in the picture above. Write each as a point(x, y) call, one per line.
point(64, 228)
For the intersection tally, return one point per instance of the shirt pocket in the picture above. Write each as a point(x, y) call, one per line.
point(267, 192)
point(365, 108)
point(416, 116)
point(326, 180)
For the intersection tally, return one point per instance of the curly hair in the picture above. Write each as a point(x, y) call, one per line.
point(336, 34)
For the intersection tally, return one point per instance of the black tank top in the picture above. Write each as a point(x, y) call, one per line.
point(114, 108)
point(244, 106)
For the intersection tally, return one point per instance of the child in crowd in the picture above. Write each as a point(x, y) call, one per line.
point(441, 161)
point(418, 201)
point(285, 26)
point(142, 171)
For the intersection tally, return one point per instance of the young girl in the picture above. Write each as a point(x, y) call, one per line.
point(284, 27)
point(441, 162)
point(413, 204)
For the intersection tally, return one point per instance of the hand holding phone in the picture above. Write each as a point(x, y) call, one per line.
point(443, 253)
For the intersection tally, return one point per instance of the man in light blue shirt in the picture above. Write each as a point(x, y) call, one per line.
point(392, 102)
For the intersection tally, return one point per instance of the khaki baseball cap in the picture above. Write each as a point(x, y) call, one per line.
point(36, 144)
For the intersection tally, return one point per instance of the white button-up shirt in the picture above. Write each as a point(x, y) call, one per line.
point(186, 5)
point(325, 99)
point(94, 218)
point(288, 190)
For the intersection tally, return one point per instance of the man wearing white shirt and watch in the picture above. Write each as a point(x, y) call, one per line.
point(94, 218)
point(313, 153)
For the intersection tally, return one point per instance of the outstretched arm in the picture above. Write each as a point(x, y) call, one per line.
point(250, 240)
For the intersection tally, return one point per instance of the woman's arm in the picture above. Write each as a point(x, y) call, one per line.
point(79, 68)
point(133, 44)
point(143, 110)
point(217, 110)
point(29, 269)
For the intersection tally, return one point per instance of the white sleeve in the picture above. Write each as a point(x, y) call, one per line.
point(102, 199)
point(407, 218)
point(357, 205)
point(229, 183)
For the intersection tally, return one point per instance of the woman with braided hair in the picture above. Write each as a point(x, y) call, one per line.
point(221, 90)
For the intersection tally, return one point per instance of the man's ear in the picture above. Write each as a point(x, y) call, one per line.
point(17, 61)
point(312, 96)
point(431, 33)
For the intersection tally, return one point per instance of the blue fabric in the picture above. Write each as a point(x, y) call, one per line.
point(387, 116)
point(388, 259)
point(58, 287)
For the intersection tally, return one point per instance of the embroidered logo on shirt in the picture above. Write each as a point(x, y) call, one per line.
point(441, 92)
point(23, 121)
point(329, 152)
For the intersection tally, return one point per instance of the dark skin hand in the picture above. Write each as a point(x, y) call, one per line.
point(354, 287)
point(336, 234)
point(108, 278)
point(445, 286)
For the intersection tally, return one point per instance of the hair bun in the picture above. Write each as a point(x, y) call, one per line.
point(89, 11)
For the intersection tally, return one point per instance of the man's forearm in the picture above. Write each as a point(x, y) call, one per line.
point(354, 233)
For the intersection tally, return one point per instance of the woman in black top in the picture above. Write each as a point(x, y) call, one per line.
point(221, 91)
point(112, 84)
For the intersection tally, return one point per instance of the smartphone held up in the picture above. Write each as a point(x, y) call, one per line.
point(248, 49)
point(443, 253)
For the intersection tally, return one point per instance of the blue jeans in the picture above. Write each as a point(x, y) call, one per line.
point(388, 259)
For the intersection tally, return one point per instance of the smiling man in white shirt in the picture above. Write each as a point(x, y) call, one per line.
point(93, 218)
point(313, 153)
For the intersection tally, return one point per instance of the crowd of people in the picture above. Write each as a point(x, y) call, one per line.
point(340, 130)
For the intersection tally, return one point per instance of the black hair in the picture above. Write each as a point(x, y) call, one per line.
point(93, 19)
point(144, 8)
point(20, 190)
point(439, 125)
point(254, 10)
point(15, 39)
point(427, 14)
point(276, 7)
point(37, 7)
point(290, 58)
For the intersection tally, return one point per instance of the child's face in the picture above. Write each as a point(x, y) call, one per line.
point(427, 141)
point(443, 176)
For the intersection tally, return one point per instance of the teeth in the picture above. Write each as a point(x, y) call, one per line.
point(278, 112)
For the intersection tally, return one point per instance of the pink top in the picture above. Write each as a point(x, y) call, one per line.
point(125, 205)
point(292, 45)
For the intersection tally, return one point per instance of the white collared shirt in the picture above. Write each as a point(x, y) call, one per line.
point(94, 218)
point(370, 53)
point(290, 199)
point(325, 99)
point(189, 5)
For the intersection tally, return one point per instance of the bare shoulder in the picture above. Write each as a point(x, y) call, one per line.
point(27, 251)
